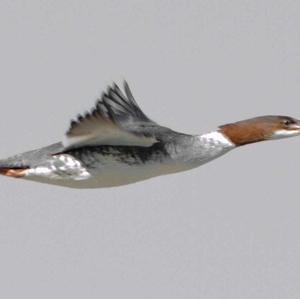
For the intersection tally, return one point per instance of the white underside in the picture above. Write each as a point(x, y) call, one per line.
point(115, 175)
point(65, 170)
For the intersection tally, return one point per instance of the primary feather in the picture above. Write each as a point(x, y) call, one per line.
point(116, 119)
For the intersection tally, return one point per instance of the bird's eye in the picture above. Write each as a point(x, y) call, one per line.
point(287, 122)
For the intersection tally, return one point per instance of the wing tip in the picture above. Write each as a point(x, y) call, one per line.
point(114, 107)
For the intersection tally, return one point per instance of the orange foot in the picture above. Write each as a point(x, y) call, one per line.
point(14, 172)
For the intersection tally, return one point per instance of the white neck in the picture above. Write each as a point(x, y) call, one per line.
point(209, 146)
point(216, 138)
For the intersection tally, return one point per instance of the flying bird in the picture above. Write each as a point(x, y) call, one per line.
point(116, 143)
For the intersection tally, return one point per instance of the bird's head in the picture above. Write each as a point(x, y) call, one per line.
point(261, 128)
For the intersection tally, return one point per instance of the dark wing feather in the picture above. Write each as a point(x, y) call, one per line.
point(116, 120)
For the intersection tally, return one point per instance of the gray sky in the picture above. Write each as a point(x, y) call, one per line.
point(229, 229)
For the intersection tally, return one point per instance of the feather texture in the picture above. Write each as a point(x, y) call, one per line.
point(116, 119)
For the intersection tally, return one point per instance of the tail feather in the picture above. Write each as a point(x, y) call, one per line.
point(14, 172)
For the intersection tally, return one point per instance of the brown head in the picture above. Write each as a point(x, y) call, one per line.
point(260, 129)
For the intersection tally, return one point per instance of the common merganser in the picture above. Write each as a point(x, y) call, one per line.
point(117, 144)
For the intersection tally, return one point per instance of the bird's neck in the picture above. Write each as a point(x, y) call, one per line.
point(246, 131)
point(215, 139)
point(203, 148)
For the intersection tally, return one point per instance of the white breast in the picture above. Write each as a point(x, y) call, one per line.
point(65, 170)
point(114, 174)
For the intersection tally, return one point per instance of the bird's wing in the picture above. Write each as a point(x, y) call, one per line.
point(115, 120)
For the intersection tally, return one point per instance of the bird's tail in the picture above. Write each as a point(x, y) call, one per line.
point(19, 165)
point(13, 167)
point(15, 172)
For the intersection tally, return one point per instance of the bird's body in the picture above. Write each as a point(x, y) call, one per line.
point(117, 144)
point(107, 165)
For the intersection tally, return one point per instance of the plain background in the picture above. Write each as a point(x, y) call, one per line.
point(229, 229)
